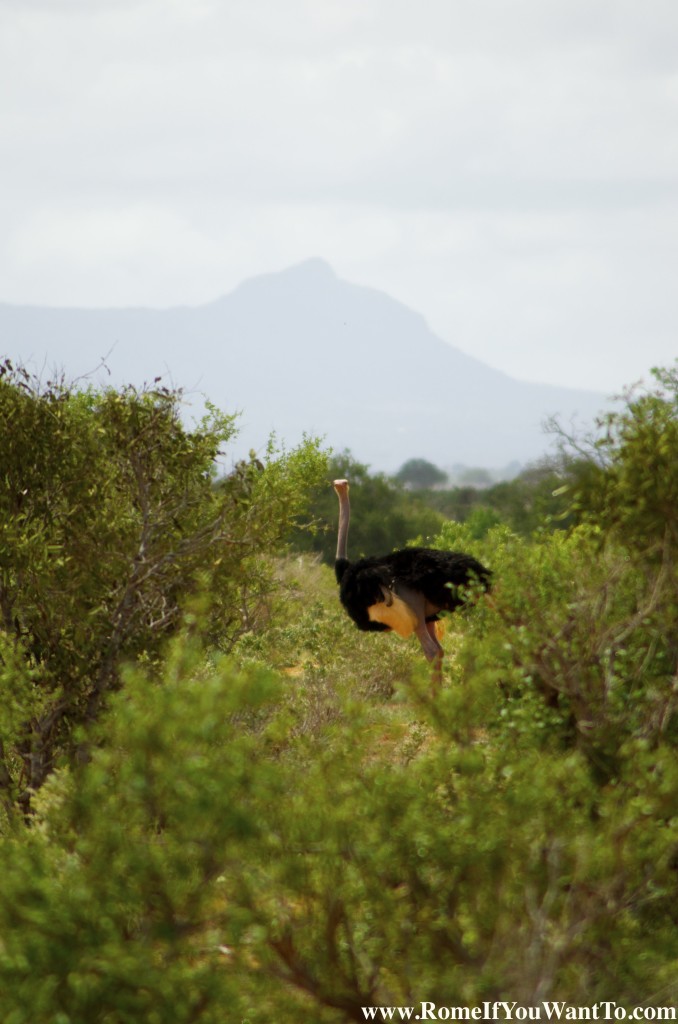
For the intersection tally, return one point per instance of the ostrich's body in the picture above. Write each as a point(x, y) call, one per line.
point(405, 590)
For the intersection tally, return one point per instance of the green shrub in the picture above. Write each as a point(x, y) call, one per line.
point(305, 827)
point(109, 521)
point(211, 861)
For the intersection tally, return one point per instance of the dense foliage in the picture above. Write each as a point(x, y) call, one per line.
point(109, 520)
point(389, 512)
point(295, 827)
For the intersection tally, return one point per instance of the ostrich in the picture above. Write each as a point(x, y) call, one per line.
point(403, 591)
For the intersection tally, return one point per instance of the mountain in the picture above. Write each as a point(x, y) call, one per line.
point(303, 351)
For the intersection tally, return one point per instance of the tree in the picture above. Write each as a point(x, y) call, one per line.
point(630, 487)
point(418, 473)
point(109, 521)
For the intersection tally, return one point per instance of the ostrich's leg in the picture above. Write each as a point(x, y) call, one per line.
point(425, 631)
point(438, 659)
point(427, 638)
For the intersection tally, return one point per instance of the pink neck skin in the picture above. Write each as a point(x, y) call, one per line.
point(341, 487)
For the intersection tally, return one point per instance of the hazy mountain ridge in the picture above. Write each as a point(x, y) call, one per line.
point(303, 351)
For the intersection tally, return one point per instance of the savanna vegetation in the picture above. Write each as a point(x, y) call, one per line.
point(390, 511)
point(221, 802)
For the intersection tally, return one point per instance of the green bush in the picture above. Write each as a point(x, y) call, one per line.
point(213, 861)
point(304, 827)
point(110, 520)
point(112, 907)
point(631, 490)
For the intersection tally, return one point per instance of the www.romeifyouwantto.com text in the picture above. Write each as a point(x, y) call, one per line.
point(544, 1011)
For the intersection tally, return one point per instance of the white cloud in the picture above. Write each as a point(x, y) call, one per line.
point(509, 170)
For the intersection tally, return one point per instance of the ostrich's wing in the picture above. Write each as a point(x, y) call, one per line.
point(394, 613)
point(436, 574)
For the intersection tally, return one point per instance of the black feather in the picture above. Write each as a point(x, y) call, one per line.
point(435, 574)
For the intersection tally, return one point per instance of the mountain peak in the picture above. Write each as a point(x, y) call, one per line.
point(311, 272)
point(304, 351)
point(312, 267)
point(313, 275)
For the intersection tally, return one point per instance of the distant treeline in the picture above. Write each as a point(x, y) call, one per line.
point(390, 511)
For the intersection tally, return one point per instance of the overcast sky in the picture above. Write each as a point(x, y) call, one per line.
point(507, 168)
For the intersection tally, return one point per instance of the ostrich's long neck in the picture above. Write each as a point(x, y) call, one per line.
point(341, 487)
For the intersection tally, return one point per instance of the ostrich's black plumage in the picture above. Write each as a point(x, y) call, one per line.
point(437, 575)
point(404, 590)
